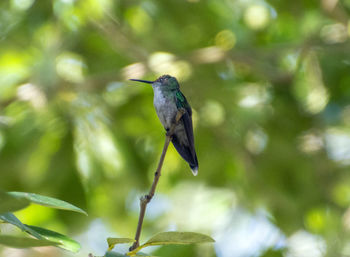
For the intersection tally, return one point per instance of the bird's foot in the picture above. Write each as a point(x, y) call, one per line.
point(180, 112)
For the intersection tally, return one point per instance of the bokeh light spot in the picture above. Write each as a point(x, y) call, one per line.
point(160, 61)
point(304, 244)
point(315, 220)
point(21, 5)
point(256, 16)
point(212, 113)
point(70, 67)
point(182, 70)
point(47, 36)
point(341, 194)
point(290, 61)
point(309, 87)
point(13, 68)
point(256, 140)
point(225, 39)
point(209, 55)
point(338, 145)
point(310, 142)
point(166, 63)
point(334, 33)
point(33, 94)
point(253, 95)
point(135, 70)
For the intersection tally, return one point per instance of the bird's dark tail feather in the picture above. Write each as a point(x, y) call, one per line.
point(194, 170)
point(187, 154)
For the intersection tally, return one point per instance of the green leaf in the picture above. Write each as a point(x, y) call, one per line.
point(166, 238)
point(24, 242)
point(112, 241)
point(115, 254)
point(10, 203)
point(62, 241)
point(12, 219)
point(175, 238)
point(48, 201)
point(143, 255)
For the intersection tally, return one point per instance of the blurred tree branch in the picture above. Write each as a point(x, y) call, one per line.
point(251, 56)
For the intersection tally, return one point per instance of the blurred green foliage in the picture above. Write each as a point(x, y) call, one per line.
point(270, 87)
point(14, 201)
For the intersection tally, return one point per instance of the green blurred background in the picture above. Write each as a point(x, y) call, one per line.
point(269, 83)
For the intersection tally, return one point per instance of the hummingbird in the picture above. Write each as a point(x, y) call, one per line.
point(168, 99)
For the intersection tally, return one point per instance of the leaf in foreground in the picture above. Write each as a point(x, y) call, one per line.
point(57, 239)
point(48, 201)
point(112, 241)
point(61, 241)
point(24, 242)
point(12, 219)
point(175, 238)
point(141, 254)
point(115, 254)
point(11, 203)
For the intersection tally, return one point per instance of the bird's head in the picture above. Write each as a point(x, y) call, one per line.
point(168, 81)
point(164, 81)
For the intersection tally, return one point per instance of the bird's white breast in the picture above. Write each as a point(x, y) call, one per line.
point(165, 107)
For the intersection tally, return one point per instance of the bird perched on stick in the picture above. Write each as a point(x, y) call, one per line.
point(168, 100)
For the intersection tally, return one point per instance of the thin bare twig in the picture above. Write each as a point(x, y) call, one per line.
point(144, 200)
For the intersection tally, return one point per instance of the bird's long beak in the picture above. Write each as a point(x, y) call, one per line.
point(143, 81)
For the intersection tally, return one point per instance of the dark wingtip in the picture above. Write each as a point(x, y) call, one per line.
point(194, 171)
point(143, 81)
